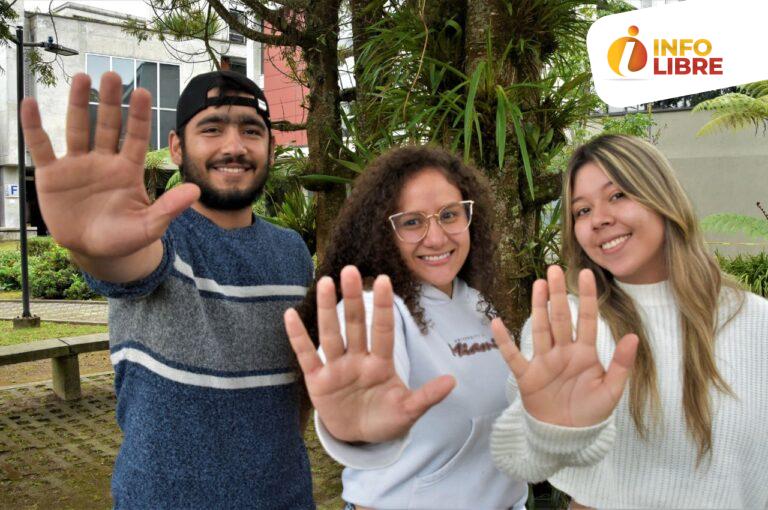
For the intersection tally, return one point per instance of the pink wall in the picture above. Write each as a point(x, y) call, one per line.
point(285, 97)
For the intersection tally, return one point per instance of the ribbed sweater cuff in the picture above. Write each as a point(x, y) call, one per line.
point(559, 440)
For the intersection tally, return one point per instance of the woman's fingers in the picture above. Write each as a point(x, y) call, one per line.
point(354, 310)
point(301, 343)
point(540, 327)
point(327, 319)
point(586, 328)
point(559, 312)
point(383, 327)
point(621, 365)
point(512, 355)
point(431, 393)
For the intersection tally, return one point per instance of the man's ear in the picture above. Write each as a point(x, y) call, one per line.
point(174, 147)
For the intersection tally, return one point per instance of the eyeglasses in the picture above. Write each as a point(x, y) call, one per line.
point(412, 227)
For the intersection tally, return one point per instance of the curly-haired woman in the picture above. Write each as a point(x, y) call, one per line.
point(691, 431)
point(424, 219)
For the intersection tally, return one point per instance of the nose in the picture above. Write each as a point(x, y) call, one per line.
point(601, 216)
point(436, 236)
point(233, 143)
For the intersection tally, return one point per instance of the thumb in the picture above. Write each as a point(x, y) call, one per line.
point(431, 393)
point(172, 203)
point(621, 365)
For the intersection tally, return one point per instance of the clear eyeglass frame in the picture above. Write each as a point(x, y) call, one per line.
point(468, 206)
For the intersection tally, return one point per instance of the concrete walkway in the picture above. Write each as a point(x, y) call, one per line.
point(80, 312)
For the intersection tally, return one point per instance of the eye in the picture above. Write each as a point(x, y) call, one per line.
point(210, 130)
point(252, 131)
point(618, 195)
point(581, 212)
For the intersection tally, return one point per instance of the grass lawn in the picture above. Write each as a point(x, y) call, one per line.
point(10, 336)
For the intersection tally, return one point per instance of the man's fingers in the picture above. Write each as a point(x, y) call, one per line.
point(586, 328)
point(621, 365)
point(431, 393)
point(172, 203)
point(559, 312)
point(540, 327)
point(515, 360)
point(35, 137)
point(77, 132)
point(383, 329)
point(301, 342)
point(327, 319)
point(139, 127)
point(354, 310)
point(108, 118)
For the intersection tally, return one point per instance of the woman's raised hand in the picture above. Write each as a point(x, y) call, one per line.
point(564, 383)
point(357, 392)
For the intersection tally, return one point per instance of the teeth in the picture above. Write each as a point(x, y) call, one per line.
point(433, 258)
point(615, 242)
point(230, 170)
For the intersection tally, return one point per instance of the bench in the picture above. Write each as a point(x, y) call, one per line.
point(63, 353)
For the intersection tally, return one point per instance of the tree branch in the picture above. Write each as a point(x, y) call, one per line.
point(289, 35)
point(284, 125)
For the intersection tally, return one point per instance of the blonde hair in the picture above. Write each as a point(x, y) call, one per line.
point(639, 170)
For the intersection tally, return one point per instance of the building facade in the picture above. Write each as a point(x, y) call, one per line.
point(164, 69)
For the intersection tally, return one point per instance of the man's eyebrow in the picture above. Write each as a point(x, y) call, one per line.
point(223, 118)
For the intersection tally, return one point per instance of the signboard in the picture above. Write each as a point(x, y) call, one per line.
point(12, 191)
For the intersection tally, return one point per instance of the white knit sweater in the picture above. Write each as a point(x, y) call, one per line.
point(610, 466)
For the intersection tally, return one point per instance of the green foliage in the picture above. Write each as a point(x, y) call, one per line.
point(634, 124)
point(756, 228)
point(750, 270)
point(51, 273)
point(42, 69)
point(736, 110)
point(297, 212)
point(174, 181)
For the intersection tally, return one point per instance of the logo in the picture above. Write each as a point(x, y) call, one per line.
point(628, 55)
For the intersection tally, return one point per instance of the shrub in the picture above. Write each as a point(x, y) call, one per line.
point(51, 273)
point(750, 270)
point(37, 246)
point(10, 270)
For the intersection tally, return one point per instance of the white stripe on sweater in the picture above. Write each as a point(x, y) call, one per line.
point(246, 291)
point(191, 378)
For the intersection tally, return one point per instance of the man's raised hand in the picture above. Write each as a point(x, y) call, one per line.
point(564, 383)
point(357, 392)
point(94, 201)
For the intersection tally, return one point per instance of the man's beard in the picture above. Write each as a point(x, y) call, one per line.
point(227, 200)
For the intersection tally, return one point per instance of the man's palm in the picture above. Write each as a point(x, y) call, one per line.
point(94, 201)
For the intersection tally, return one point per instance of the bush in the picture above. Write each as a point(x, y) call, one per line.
point(750, 270)
point(10, 270)
point(37, 246)
point(51, 273)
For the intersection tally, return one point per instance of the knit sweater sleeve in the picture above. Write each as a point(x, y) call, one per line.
point(528, 449)
point(369, 455)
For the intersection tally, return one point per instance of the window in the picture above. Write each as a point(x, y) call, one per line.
point(234, 35)
point(162, 81)
point(235, 64)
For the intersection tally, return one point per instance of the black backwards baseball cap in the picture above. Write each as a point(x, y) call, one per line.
point(195, 98)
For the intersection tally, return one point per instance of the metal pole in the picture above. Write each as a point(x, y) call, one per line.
point(22, 173)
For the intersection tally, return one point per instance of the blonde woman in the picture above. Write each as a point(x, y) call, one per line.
point(691, 429)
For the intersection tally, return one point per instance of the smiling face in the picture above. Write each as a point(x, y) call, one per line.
point(439, 256)
point(226, 153)
point(619, 234)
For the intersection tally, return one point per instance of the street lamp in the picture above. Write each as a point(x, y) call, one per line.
point(27, 320)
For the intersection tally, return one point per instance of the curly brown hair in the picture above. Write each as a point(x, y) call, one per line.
point(363, 236)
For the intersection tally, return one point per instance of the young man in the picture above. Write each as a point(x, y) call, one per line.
point(207, 390)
